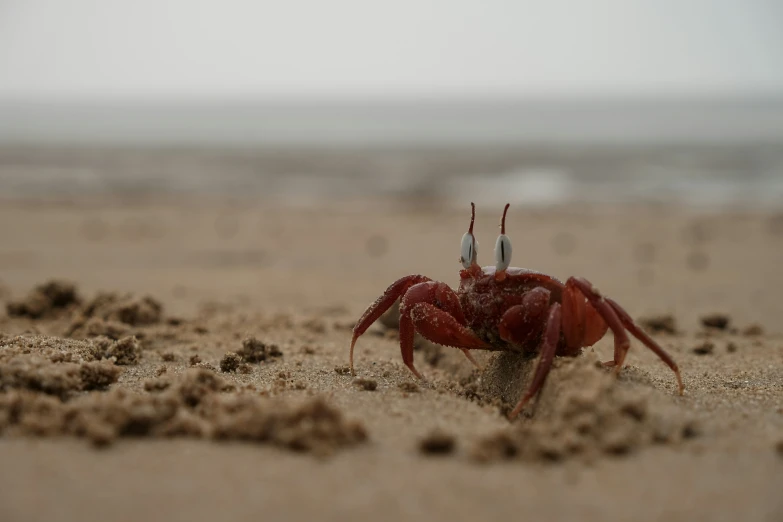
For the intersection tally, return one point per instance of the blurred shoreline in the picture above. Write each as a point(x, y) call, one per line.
point(699, 153)
point(744, 176)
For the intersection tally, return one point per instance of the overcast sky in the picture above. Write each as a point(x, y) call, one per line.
point(164, 49)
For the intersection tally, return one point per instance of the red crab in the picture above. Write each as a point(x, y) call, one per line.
point(506, 308)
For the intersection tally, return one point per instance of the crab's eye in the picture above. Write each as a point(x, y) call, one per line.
point(502, 252)
point(467, 254)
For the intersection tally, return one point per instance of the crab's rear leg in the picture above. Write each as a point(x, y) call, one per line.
point(578, 288)
point(637, 332)
point(618, 321)
point(396, 290)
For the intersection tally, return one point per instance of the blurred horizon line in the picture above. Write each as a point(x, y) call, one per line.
point(397, 121)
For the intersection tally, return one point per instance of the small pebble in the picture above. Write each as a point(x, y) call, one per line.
point(437, 443)
point(408, 386)
point(230, 362)
point(753, 330)
point(659, 324)
point(717, 321)
point(366, 384)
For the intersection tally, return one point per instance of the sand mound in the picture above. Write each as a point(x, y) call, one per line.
point(85, 327)
point(53, 349)
point(54, 366)
point(42, 380)
point(125, 351)
point(108, 314)
point(124, 308)
point(190, 405)
point(37, 374)
point(46, 300)
point(583, 411)
point(254, 351)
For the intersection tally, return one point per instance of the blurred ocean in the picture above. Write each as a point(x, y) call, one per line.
point(701, 153)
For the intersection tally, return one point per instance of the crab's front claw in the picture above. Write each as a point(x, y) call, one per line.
point(440, 327)
point(395, 290)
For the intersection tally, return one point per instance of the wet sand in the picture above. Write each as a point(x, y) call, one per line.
point(299, 278)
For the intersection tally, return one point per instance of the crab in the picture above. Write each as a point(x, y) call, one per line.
point(503, 308)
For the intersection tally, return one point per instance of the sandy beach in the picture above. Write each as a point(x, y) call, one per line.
point(192, 279)
point(200, 202)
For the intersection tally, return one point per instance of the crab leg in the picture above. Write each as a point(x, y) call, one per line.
point(437, 326)
point(618, 321)
point(441, 327)
point(577, 285)
point(407, 331)
point(637, 332)
point(383, 303)
point(548, 349)
point(433, 310)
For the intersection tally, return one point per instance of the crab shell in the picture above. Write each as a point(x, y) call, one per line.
point(484, 300)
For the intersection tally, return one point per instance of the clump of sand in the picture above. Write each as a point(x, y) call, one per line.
point(717, 321)
point(230, 362)
point(314, 426)
point(35, 373)
point(43, 381)
point(254, 351)
point(85, 327)
point(55, 366)
point(438, 442)
point(582, 411)
point(125, 351)
point(659, 324)
point(124, 308)
point(366, 384)
point(190, 405)
point(53, 349)
point(114, 316)
point(49, 299)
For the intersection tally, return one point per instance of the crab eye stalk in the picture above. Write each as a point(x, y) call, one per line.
point(502, 252)
point(502, 249)
point(468, 253)
point(468, 250)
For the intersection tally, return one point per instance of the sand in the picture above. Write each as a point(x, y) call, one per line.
point(186, 360)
